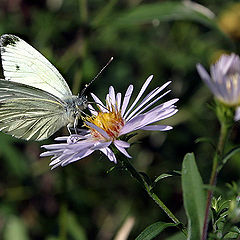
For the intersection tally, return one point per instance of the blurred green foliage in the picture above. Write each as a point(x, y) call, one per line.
point(164, 38)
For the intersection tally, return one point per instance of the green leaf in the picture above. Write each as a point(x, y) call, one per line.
point(165, 175)
point(228, 156)
point(15, 229)
point(153, 230)
point(231, 235)
point(193, 196)
point(162, 176)
point(74, 228)
point(166, 11)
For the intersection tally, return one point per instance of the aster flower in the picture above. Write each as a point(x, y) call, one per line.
point(111, 121)
point(224, 81)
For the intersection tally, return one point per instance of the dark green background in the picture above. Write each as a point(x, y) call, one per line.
point(164, 38)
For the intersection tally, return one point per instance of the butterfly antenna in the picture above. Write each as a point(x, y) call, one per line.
point(87, 85)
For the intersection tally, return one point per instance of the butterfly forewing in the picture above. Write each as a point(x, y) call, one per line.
point(23, 64)
point(30, 113)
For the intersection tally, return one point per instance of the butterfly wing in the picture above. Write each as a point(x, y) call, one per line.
point(30, 113)
point(24, 64)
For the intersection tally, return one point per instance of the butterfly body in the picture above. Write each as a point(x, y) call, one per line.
point(35, 100)
point(75, 107)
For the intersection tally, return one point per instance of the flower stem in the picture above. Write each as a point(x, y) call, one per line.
point(151, 193)
point(213, 179)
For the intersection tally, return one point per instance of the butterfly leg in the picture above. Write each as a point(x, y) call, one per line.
point(75, 124)
point(69, 126)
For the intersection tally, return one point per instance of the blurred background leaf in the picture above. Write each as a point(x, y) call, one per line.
point(15, 229)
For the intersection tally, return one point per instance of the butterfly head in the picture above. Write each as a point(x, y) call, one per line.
point(81, 102)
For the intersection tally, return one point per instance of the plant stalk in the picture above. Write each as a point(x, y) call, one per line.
point(151, 193)
point(213, 179)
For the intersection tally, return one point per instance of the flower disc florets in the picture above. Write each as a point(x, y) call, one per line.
point(111, 122)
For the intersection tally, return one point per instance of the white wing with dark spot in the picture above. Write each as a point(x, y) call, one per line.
point(24, 64)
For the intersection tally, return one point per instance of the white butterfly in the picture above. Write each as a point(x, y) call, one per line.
point(35, 100)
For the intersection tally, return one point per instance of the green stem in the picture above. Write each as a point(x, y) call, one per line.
point(213, 179)
point(151, 193)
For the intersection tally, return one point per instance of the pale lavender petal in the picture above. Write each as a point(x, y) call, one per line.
point(63, 157)
point(145, 85)
point(225, 63)
point(76, 138)
point(112, 97)
point(237, 114)
point(101, 131)
point(77, 146)
point(118, 101)
point(126, 99)
point(63, 138)
point(55, 146)
point(236, 89)
point(92, 110)
point(71, 159)
point(56, 165)
point(206, 78)
point(157, 116)
point(109, 153)
point(77, 157)
point(100, 145)
point(151, 95)
point(218, 81)
point(122, 144)
point(158, 90)
point(132, 125)
point(145, 101)
point(122, 150)
point(156, 128)
point(56, 161)
point(155, 92)
point(149, 105)
point(165, 105)
point(73, 153)
point(146, 119)
point(108, 102)
point(99, 102)
point(50, 153)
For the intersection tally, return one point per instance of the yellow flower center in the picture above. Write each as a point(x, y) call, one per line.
point(111, 122)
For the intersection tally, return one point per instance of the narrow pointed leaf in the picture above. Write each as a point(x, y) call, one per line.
point(153, 230)
point(166, 11)
point(229, 155)
point(193, 197)
point(162, 176)
point(165, 175)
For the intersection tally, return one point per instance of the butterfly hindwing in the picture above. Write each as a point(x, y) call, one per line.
point(30, 113)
